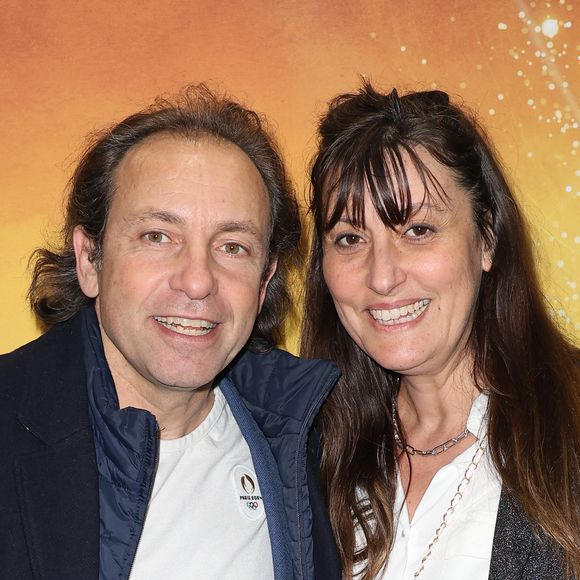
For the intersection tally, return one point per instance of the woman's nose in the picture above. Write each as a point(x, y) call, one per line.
point(386, 268)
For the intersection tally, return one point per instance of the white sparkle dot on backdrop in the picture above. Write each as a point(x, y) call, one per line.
point(568, 189)
point(551, 86)
point(577, 240)
point(575, 143)
point(403, 48)
point(560, 263)
point(520, 73)
point(537, 29)
point(564, 235)
point(530, 102)
point(550, 27)
point(565, 84)
point(492, 112)
point(530, 154)
point(577, 172)
point(521, 14)
point(572, 284)
point(500, 97)
point(568, 23)
point(423, 61)
point(502, 26)
point(550, 44)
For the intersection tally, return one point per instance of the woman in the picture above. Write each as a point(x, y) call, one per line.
point(451, 445)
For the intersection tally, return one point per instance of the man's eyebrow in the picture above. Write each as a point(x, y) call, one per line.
point(233, 226)
point(242, 226)
point(156, 215)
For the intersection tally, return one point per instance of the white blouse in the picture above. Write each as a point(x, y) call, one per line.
point(463, 550)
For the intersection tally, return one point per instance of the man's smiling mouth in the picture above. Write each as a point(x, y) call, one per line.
point(189, 326)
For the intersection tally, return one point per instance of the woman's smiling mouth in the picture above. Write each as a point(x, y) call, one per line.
point(400, 315)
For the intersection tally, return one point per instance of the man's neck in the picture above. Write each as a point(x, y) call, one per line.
point(178, 412)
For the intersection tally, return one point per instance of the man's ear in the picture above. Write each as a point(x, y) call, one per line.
point(86, 269)
point(268, 273)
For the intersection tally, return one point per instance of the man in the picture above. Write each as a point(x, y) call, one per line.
point(132, 444)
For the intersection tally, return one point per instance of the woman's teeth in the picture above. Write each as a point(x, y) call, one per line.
point(400, 315)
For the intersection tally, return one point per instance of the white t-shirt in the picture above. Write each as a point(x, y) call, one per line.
point(464, 547)
point(206, 516)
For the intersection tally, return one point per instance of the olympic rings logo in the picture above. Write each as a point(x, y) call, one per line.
point(253, 505)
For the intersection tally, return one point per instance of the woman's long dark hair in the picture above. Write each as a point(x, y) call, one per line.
point(521, 358)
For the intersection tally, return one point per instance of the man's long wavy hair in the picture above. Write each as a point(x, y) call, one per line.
point(520, 356)
point(196, 113)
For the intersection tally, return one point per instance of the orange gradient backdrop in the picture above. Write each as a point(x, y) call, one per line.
point(70, 68)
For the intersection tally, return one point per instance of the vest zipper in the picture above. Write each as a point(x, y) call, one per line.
point(302, 445)
point(149, 491)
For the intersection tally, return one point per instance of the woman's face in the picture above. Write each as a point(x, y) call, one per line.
point(407, 296)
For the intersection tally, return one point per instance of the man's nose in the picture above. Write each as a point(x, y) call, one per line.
point(386, 268)
point(194, 274)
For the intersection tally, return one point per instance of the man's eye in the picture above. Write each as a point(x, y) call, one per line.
point(156, 237)
point(233, 248)
point(347, 240)
point(419, 231)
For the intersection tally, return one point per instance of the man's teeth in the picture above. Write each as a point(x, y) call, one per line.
point(189, 326)
point(400, 315)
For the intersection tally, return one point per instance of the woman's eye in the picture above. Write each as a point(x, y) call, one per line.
point(418, 231)
point(233, 248)
point(156, 237)
point(347, 240)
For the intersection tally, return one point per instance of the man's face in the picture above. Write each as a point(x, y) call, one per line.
point(182, 276)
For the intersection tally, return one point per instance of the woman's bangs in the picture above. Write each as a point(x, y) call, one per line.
point(382, 174)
